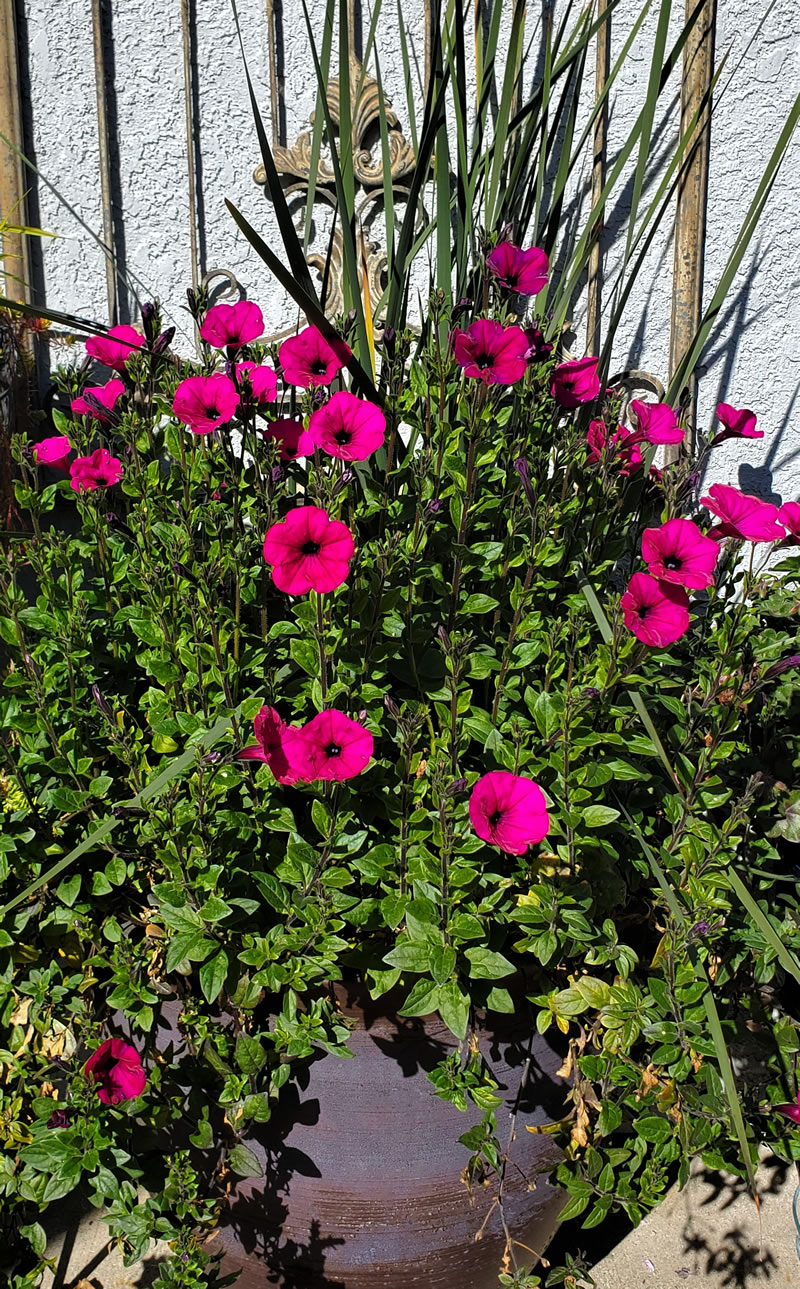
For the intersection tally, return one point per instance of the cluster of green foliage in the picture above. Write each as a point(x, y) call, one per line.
point(479, 629)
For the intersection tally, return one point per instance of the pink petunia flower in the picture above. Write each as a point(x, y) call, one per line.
point(656, 612)
point(263, 381)
point(538, 348)
point(508, 811)
point(336, 747)
point(205, 403)
point(308, 551)
point(789, 516)
point(115, 348)
point(53, 451)
point(740, 423)
point(621, 446)
point(309, 359)
point(99, 470)
point(294, 439)
point(522, 271)
point(743, 516)
point(348, 427)
point(657, 423)
point(790, 1111)
point(678, 552)
point(279, 746)
point(229, 326)
point(490, 352)
point(117, 1068)
point(575, 382)
point(106, 394)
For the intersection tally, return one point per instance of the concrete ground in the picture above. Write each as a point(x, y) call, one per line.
point(705, 1237)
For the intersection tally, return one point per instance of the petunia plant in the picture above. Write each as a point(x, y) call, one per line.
point(442, 683)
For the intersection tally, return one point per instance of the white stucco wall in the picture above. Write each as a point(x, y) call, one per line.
point(753, 358)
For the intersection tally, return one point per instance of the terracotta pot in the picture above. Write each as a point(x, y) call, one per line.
point(362, 1185)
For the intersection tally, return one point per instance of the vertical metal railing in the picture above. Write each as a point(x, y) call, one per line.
point(104, 149)
point(14, 265)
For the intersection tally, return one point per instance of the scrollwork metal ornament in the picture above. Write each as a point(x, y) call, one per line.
point(293, 165)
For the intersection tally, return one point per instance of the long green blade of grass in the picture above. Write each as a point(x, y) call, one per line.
point(784, 955)
point(309, 304)
point(316, 131)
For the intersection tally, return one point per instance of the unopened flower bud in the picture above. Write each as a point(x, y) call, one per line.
point(211, 758)
point(391, 706)
point(164, 340)
point(278, 474)
point(128, 812)
point(101, 702)
point(148, 320)
point(433, 507)
point(344, 478)
point(444, 639)
point(785, 664)
point(523, 470)
point(458, 785)
point(319, 397)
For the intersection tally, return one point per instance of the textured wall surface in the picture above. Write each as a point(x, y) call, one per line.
point(753, 358)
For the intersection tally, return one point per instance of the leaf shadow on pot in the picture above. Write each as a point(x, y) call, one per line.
point(254, 1222)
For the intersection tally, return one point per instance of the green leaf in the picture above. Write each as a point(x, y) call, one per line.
point(599, 816)
point(68, 890)
point(454, 1008)
point(500, 1000)
point(485, 964)
point(479, 604)
point(653, 1128)
point(410, 956)
point(212, 975)
point(443, 960)
point(244, 1162)
point(35, 1235)
point(249, 1055)
point(422, 1000)
point(204, 1137)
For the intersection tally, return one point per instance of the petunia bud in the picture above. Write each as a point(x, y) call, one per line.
point(433, 507)
point(106, 414)
point(391, 706)
point(778, 668)
point(319, 397)
point(522, 469)
point(128, 812)
point(102, 703)
point(344, 478)
point(230, 369)
point(59, 1119)
point(148, 320)
point(444, 639)
point(278, 474)
point(458, 785)
point(590, 692)
point(164, 340)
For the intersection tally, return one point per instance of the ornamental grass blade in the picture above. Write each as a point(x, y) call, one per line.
point(604, 627)
point(308, 304)
point(68, 320)
point(501, 127)
point(291, 242)
point(712, 1015)
point(782, 952)
point(152, 789)
point(344, 195)
point(647, 117)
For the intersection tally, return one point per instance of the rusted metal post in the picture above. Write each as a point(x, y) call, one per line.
point(14, 264)
point(690, 215)
point(105, 159)
point(594, 289)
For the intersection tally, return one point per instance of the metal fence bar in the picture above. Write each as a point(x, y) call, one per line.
point(690, 216)
point(105, 162)
point(594, 287)
point(14, 264)
point(190, 142)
